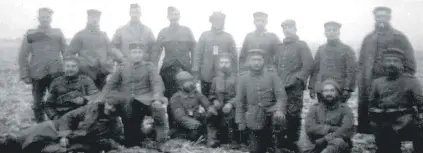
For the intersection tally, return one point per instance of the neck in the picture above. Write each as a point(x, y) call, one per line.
point(333, 41)
point(256, 72)
point(44, 26)
point(290, 38)
point(261, 30)
point(385, 27)
point(93, 27)
point(174, 24)
point(217, 30)
point(135, 21)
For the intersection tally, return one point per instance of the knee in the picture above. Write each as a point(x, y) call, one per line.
point(338, 142)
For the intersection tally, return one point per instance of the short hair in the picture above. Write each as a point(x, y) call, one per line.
point(134, 6)
point(332, 24)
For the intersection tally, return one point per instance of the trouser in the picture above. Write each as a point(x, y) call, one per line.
point(39, 88)
point(293, 116)
point(134, 113)
point(336, 145)
point(101, 80)
point(388, 138)
point(192, 135)
point(205, 88)
point(266, 139)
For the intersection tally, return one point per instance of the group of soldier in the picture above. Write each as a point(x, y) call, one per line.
point(255, 101)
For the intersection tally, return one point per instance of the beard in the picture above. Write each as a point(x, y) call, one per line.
point(392, 71)
point(329, 99)
point(188, 88)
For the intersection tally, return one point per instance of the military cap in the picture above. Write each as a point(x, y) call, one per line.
point(45, 10)
point(333, 83)
point(396, 52)
point(332, 24)
point(134, 5)
point(288, 22)
point(256, 52)
point(135, 46)
point(172, 9)
point(217, 16)
point(225, 55)
point(71, 58)
point(184, 76)
point(93, 12)
point(382, 8)
point(260, 14)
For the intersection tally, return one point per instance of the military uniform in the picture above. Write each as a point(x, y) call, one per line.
point(294, 63)
point(63, 92)
point(44, 45)
point(142, 82)
point(210, 45)
point(259, 95)
point(334, 60)
point(190, 112)
point(370, 64)
point(334, 124)
point(264, 40)
point(95, 52)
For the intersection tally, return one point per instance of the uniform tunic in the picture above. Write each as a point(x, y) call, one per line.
point(64, 90)
point(223, 88)
point(259, 40)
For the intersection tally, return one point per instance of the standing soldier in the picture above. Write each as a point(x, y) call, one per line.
point(178, 42)
point(44, 45)
point(140, 80)
point(330, 124)
point(294, 62)
point(134, 32)
point(70, 91)
point(210, 45)
point(383, 37)
point(260, 104)
point(259, 39)
point(334, 60)
point(94, 50)
point(393, 102)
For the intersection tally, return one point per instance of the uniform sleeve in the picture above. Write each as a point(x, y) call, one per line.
point(307, 62)
point(156, 82)
point(410, 60)
point(280, 93)
point(203, 100)
point(192, 44)
point(117, 39)
point(374, 94)
point(350, 70)
point(274, 49)
point(198, 53)
point(213, 94)
point(346, 130)
point(63, 44)
point(158, 48)
point(417, 92)
point(24, 52)
point(74, 46)
point(179, 113)
point(314, 71)
point(243, 54)
point(234, 53)
point(150, 42)
point(312, 127)
point(70, 120)
point(111, 51)
point(51, 99)
point(90, 87)
point(115, 79)
point(240, 102)
point(233, 100)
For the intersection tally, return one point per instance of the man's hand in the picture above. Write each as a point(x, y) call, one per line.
point(211, 111)
point(227, 108)
point(217, 104)
point(312, 94)
point(64, 142)
point(78, 100)
point(157, 104)
point(242, 127)
point(278, 117)
point(27, 80)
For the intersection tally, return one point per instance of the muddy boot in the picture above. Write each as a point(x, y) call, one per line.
point(212, 137)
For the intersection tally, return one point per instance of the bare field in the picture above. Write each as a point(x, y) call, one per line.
point(16, 112)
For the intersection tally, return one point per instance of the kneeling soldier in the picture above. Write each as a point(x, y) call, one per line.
point(260, 104)
point(330, 123)
point(191, 110)
point(395, 100)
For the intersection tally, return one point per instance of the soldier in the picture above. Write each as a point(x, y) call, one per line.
point(294, 62)
point(191, 110)
point(178, 42)
point(330, 124)
point(393, 102)
point(334, 60)
point(45, 45)
point(94, 50)
point(383, 37)
point(70, 91)
point(259, 39)
point(222, 93)
point(134, 32)
point(140, 80)
point(260, 104)
point(210, 45)
point(91, 128)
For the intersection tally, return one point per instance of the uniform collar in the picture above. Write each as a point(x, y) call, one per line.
point(260, 32)
point(332, 107)
point(257, 73)
point(92, 28)
point(291, 39)
point(333, 42)
point(387, 28)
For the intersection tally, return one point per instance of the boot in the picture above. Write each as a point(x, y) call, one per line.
point(212, 137)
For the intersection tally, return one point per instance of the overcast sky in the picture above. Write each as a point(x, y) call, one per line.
point(355, 15)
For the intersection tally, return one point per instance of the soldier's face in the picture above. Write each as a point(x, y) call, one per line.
point(332, 33)
point(260, 22)
point(382, 18)
point(109, 109)
point(174, 16)
point(93, 20)
point(137, 55)
point(256, 62)
point(329, 93)
point(135, 13)
point(188, 86)
point(44, 19)
point(392, 64)
point(218, 23)
point(71, 68)
point(289, 30)
point(224, 63)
